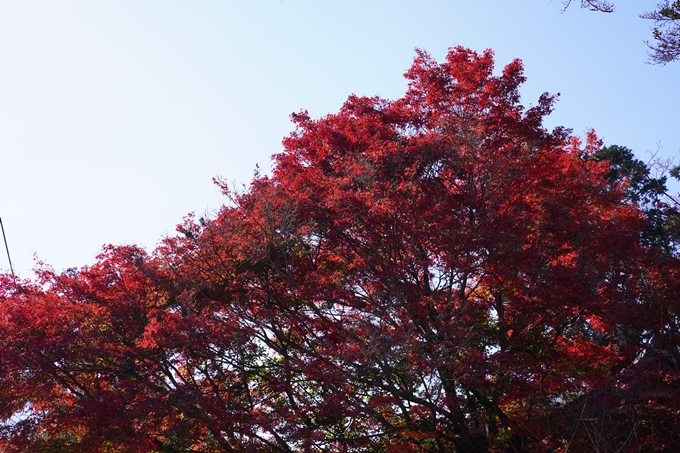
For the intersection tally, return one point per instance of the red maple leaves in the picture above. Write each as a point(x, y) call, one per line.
point(435, 273)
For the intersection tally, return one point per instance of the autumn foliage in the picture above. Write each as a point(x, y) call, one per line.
point(434, 273)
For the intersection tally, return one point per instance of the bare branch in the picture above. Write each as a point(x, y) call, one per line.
point(593, 5)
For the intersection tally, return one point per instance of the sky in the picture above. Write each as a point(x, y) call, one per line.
point(116, 115)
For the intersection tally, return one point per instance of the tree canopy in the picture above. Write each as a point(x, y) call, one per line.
point(433, 273)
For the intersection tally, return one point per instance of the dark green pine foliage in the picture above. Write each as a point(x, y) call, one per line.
point(651, 193)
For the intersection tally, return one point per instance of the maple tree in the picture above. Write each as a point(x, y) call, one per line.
point(433, 273)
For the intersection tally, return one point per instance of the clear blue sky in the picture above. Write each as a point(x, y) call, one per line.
point(116, 114)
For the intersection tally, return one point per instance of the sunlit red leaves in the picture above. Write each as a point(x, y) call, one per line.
point(435, 273)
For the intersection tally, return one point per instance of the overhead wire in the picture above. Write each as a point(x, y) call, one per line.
point(6, 247)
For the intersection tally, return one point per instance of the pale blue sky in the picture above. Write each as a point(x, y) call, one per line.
point(115, 115)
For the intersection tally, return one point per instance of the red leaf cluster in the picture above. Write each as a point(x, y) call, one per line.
point(434, 273)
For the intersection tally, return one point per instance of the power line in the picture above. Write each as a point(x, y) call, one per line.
point(6, 247)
